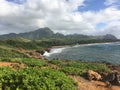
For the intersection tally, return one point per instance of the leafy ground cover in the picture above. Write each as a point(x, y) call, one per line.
point(39, 74)
point(35, 79)
point(30, 62)
point(79, 67)
point(10, 53)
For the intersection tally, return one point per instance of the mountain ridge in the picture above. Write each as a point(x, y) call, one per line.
point(48, 33)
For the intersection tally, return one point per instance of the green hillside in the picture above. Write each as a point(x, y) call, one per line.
point(21, 70)
point(44, 33)
point(26, 73)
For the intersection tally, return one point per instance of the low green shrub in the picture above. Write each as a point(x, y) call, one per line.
point(35, 79)
point(78, 67)
point(4, 53)
point(73, 71)
point(30, 61)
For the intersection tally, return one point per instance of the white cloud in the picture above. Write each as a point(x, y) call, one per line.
point(111, 2)
point(112, 28)
point(59, 15)
point(109, 16)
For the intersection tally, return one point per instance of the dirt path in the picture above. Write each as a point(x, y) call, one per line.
point(92, 85)
point(13, 65)
point(6, 63)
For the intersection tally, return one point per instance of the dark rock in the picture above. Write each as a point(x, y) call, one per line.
point(40, 51)
point(43, 51)
point(114, 67)
point(117, 79)
point(47, 49)
point(110, 77)
point(113, 78)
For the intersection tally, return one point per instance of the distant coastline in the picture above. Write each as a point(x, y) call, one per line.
point(53, 47)
point(76, 45)
point(95, 55)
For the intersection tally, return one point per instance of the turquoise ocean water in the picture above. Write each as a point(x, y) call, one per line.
point(105, 52)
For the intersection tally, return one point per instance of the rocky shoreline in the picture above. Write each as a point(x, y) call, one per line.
point(112, 78)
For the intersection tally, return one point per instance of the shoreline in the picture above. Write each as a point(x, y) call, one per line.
point(55, 47)
point(111, 65)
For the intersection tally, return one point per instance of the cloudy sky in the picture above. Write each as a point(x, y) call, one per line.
point(91, 17)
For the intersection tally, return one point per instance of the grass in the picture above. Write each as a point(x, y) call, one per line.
point(33, 76)
point(66, 66)
point(35, 79)
point(39, 74)
point(10, 53)
point(78, 67)
point(31, 62)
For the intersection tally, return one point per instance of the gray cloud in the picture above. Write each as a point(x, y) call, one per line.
point(112, 28)
point(59, 15)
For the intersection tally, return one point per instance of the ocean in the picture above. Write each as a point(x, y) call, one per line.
point(104, 52)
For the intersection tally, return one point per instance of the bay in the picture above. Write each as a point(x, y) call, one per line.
point(105, 52)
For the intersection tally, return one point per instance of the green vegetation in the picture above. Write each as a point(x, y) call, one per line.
point(35, 79)
point(47, 43)
point(10, 53)
point(31, 62)
point(78, 67)
point(31, 45)
point(48, 33)
point(45, 38)
point(25, 45)
point(37, 74)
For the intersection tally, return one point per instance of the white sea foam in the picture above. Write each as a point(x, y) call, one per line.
point(92, 44)
point(59, 50)
point(53, 51)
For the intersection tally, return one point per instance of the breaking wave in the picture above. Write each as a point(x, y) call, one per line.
point(53, 51)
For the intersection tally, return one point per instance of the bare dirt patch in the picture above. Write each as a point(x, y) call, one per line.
point(13, 65)
point(7, 64)
point(84, 84)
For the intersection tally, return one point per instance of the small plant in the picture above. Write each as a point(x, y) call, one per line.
point(56, 62)
point(79, 67)
point(30, 61)
point(35, 79)
point(4, 53)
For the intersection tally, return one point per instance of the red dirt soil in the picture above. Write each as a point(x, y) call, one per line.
point(82, 83)
point(6, 64)
point(92, 85)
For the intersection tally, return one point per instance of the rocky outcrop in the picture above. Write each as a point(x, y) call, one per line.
point(31, 53)
point(118, 78)
point(43, 51)
point(92, 75)
point(40, 51)
point(112, 78)
point(34, 54)
point(114, 67)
